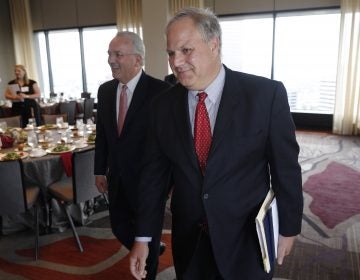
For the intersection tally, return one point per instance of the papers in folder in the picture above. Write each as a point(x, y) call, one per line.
point(14, 88)
point(267, 227)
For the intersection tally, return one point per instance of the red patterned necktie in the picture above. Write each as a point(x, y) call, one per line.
point(202, 131)
point(122, 108)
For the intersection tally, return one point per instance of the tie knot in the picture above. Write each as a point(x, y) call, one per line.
point(124, 87)
point(202, 95)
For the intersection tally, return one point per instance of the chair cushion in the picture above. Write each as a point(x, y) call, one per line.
point(62, 190)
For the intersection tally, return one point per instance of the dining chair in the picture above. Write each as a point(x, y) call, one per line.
point(16, 197)
point(14, 121)
point(78, 188)
point(85, 95)
point(51, 119)
point(68, 108)
point(88, 109)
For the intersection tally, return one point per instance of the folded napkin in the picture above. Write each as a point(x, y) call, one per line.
point(67, 163)
point(7, 141)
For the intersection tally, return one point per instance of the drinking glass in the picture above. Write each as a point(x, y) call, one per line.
point(32, 122)
point(32, 139)
point(3, 126)
point(59, 121)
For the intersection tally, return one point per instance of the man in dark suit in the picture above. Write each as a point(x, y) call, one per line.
point(219, 183)
point(171, 79)
point(122, 121)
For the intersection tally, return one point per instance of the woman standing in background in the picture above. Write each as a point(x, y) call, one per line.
point(23, 93)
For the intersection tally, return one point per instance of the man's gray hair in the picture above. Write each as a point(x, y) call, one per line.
point(204, 19)
point(139, 47)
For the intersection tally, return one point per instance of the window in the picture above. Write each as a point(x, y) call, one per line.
point(305, 53)
point(247, 44)
point(74, 60)
point(65, 56)
point(96, 42)
point(44, 81)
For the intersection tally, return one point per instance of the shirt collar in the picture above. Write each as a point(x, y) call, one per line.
point(214, 90)
point(131, 85)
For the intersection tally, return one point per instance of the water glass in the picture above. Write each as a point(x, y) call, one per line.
point(59, 121)
point(32, 122)
point(32, 139)
point(3, 126)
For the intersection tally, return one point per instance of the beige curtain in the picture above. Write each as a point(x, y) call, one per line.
point(176, 5)
point(347, 105)
point(23, 36)
point(129, 15)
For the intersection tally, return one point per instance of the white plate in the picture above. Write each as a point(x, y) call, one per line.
point(80, 146)
point(22, 155)
point(50, 151)
point(38, 153)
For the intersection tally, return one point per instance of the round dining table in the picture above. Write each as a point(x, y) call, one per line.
point(43, 170)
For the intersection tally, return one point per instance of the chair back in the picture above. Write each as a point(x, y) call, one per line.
point(68, 108)
point(51, 119)
point(12, 198)
point(85, 95)
point(83, 176)
point(14, 121)
point(88, 109)
point(15, 198)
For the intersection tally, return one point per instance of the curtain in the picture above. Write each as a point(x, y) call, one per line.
point(129, 15)
point(176, 5)
point(347, 102)
point(23, 36)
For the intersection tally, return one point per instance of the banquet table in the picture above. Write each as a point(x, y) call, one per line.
point(43, 171)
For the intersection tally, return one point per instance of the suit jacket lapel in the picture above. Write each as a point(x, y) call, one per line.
point(138, 98)
point(113, 104)
point(230, 100)
point(182, 121)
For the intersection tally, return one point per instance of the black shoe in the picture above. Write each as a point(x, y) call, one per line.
point(162, 248)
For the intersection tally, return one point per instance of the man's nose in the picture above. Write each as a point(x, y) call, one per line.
point(178, 59)
point(111, 58)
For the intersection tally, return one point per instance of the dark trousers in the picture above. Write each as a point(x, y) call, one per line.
point(18, 108)
point(122, 218)
point(202, 265)
point(26, 109)
point(32, 109)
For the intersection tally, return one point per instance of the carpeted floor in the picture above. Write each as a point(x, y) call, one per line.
point(328, 247)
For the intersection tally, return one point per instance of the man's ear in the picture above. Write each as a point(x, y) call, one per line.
point(214, 45)
point(138, 61)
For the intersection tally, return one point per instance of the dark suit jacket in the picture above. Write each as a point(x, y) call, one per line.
point(254, 137)
point(121, 157)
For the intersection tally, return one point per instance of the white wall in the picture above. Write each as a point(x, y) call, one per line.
point(156, 62)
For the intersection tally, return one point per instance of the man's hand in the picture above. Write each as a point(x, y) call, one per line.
point(138, 256)
point(101, 183)
point(284, 247)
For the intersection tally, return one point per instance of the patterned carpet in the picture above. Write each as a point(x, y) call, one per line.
point(328, 247)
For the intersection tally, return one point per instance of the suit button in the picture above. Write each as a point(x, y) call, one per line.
point(206, 196)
